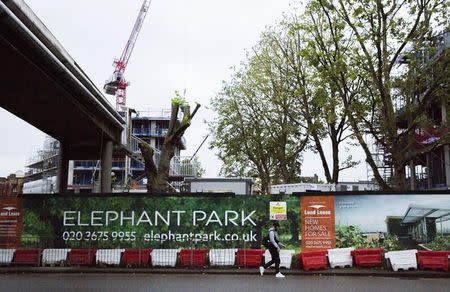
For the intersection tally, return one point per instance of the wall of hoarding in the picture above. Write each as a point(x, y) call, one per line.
point(308, 221)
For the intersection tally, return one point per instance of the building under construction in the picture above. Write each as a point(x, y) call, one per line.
point(430, 170)
point(127, 170)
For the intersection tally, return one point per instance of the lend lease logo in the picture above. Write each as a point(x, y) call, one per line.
point(317, 210)
point(317, 206)
point(10, 211)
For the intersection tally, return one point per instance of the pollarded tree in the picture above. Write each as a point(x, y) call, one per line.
point(158, 176)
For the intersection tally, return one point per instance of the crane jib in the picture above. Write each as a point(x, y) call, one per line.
point(117, 84)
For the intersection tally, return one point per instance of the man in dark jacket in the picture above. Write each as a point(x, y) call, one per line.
point(273, 244)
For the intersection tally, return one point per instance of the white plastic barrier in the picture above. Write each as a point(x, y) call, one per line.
point(285, 258)
point(54, 256)
point(340, 257)
point(6, 255)
point(109, 256)
point(164, 257)
point(402, 259)
point(222, 256)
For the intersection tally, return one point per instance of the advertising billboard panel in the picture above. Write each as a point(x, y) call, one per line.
point(308, 221)
point(317, 222)
point(159, 222)
point(10, 221)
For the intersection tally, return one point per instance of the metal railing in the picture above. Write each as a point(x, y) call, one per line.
point(137, 151)
point(182, 166)
point(150, 132)
point(442, 44)
point(162, 113)
point(179, 165)
point(42, 155)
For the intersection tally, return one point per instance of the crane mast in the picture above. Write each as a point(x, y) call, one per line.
point(117, 85)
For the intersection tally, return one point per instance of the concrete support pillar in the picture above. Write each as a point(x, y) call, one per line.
point(106, 165)
point(127, 170)
point(128, 131)
point(70, 177)
point(63, 169)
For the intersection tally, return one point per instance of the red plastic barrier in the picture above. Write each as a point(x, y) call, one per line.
point(249, 257)
point(313, 260)
point(27, 257)
point(81, 257)
point(371, 257)
point(193, 257)
point(136, 257)
point(433, 260)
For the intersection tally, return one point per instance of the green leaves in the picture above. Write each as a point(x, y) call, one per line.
point(333, 73)
point(260, 130)
point(178, 100)
point(440, 242)
point(349, 236)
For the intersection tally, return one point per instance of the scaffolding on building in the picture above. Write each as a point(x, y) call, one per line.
point(430, 170)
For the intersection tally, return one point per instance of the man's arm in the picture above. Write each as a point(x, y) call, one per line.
point(272, 239)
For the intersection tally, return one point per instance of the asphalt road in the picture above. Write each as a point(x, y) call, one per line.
point(197, 282)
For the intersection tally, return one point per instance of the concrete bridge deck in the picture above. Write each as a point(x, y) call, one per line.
point(44, 86)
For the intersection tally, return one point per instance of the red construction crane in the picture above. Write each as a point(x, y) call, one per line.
point(117, 85)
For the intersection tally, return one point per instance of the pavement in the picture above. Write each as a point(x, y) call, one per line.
point(373, 272)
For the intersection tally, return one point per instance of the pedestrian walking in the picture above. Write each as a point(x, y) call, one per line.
point(273, 244)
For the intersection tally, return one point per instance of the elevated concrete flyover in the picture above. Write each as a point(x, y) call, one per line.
point(41, 84)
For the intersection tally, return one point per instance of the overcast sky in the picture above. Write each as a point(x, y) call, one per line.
point(183, 44)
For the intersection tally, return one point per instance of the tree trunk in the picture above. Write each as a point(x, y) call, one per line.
point(319, 148)
point(150, 167)
point(399, 176)
point(158, 177)
point(293, 218)
point(162, 177)
point(335, 153)
point(265, 184)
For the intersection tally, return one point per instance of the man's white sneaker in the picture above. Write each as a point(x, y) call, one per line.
point(279, 275)
point(261, 270)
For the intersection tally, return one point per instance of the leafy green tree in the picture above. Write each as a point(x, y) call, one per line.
point(258, 129)
point(317, 95)
point(282, 81)
point(373, 36)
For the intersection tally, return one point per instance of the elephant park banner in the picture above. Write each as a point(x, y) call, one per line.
point(309, 221)
point(137, 220)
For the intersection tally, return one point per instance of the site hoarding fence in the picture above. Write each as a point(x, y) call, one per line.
point(145, 230)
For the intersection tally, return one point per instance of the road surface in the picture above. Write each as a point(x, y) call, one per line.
point(198, 282)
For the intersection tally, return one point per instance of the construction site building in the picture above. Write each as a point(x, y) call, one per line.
point(127, 170)
point(430, 170)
